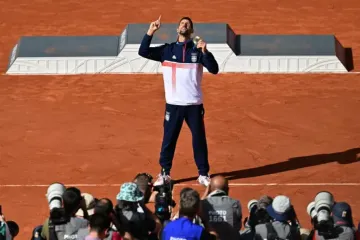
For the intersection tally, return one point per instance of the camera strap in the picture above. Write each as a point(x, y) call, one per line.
point(52, 232)
point(271, 233)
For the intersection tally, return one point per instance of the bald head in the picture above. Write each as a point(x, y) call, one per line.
point(219, 183)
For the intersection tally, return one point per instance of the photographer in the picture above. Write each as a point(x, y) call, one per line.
point(257, 215)
point(183, 227)
point(283, 223)
point(145, 185)
point(341, 224)
point(132, 211)
point(99, 225)
point(116, 230)
point(63, 223)
point(221, 212)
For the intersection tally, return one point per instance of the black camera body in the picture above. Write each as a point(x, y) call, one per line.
point(257, 216)
point(164, 202)
point(58, 216)
point(327, 228)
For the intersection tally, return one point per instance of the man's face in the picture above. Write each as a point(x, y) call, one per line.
point(184, 28)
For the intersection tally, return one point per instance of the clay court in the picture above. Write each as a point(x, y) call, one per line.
point(270, 134)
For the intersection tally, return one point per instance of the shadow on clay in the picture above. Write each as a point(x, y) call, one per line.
point(346, 157)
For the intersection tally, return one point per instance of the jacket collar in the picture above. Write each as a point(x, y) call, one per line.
point(217, 192)
point(187, 42)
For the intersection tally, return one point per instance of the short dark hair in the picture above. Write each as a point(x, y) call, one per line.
point(71, 199)
point(104, 206)
point(189, 202)
point(144, 183)
point(99, 222)
point(189, 19)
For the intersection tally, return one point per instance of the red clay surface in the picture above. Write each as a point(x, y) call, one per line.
point(104, 129)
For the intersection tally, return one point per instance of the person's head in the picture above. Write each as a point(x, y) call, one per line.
point(189, 203)
point(185, 27)
point(129, 196)
point(99, 224)
point(144, 183)
point(281, 209)
point(264, 201)
point(219, 183)
point(104, 206)
point(342, 214)
point(71, 200)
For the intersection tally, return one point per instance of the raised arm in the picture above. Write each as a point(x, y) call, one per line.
point(152, 53)
point(208, 59)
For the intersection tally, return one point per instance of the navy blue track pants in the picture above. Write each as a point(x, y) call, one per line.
point(194, 118)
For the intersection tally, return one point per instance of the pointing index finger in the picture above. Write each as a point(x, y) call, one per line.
point(159, 18)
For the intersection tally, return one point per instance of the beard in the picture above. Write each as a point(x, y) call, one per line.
point(185, 32)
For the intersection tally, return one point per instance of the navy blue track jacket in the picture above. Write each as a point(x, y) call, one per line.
point(182, 68)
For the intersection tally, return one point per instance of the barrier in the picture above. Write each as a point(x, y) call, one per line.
point(234, 53)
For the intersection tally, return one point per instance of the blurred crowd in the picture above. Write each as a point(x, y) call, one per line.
point(212, 215)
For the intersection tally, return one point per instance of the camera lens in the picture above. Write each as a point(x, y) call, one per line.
point(324, 200)
point(54, 195)
point(323, 204)
point(252, 203)
point(311, 210)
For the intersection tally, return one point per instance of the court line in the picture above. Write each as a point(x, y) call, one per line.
point(183, 184)
point(222, 73)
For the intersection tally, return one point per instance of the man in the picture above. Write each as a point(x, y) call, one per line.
point(105, 206)
point(145, 185)
point(99, 225)
point(257, 215)
point(343, 223)
point(72, 202)
point(133, 212)
point(283, 224)
point(182, 63)
point(183, 227)
point(221, 212)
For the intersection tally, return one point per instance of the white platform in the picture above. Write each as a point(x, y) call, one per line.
point(246, 54)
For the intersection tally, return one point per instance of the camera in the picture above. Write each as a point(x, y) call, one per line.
point(57, 212)
point(164, 202)
point(54, 195)
point(258, 215)
point(320, 213)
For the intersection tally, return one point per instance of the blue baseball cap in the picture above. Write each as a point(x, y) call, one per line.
point(342, 214)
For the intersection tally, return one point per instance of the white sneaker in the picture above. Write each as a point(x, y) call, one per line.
point(160, 180)
point(204, 180)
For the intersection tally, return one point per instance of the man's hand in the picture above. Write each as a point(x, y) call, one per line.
point(202, 44)
point(154, 26)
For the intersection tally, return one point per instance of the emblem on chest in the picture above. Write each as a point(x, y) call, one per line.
point(194, 57)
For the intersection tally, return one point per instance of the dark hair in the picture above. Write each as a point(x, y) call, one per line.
point(99, 222)
point(189, 202)
point(144, 183)
point(125, 205)
point(72, 199)
point(189, 19)
point(104, 206)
